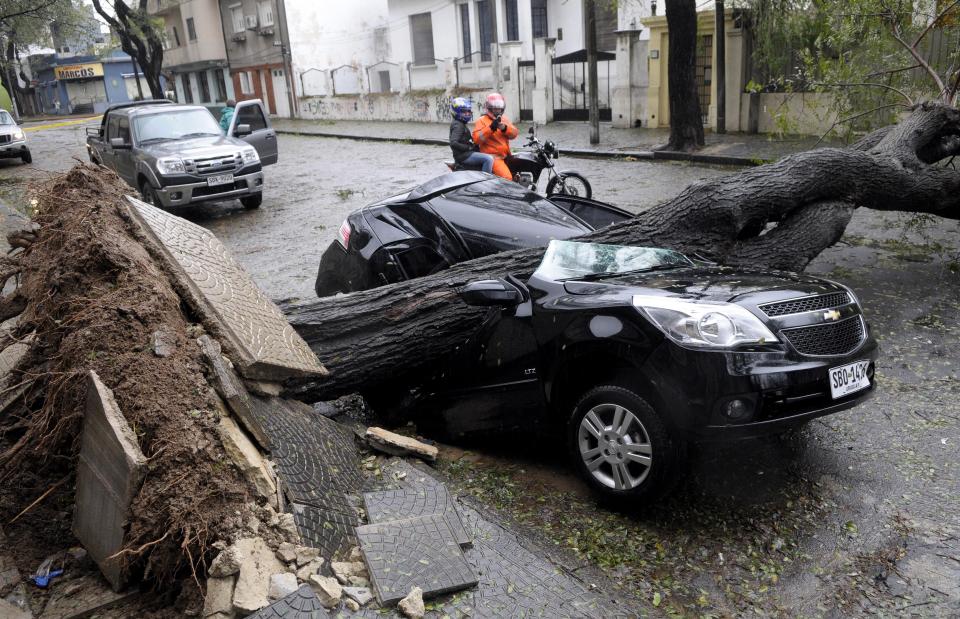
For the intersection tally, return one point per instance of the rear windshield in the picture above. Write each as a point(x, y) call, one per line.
point(570, 259)
point(175, 125)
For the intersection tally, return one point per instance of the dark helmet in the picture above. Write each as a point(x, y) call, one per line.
point(461, 109)
point(550, 148)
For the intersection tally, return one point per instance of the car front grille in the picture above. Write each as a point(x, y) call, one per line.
point(4, 139)
point(214, 165)
point(806, 304)
point(835, 338)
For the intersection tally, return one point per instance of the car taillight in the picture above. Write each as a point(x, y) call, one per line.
point(343, 234)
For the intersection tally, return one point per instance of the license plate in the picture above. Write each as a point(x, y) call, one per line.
point(847, 379)
point(219, 179)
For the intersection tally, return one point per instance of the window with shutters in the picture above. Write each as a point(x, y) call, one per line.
point(538, 15)
point(236, 16)
point(204, 86)
point(421, 30)
point(465, 32)
point(191, 29)
point(187, 91)
point(265, 11)
point(513, 22)
point(221, 86)
point(246, 84)
point(488, 32)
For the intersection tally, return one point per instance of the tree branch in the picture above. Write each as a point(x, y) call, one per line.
point(873, 84)
point(29, 11)
point(934, 21)
point(895, 31)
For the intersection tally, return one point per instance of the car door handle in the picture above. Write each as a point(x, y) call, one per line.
point(271, 136)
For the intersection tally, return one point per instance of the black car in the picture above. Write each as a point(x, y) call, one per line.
point(632, 352)
point(450, 219)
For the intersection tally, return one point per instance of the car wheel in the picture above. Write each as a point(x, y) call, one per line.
point(148, 194)
point(27, 157)
point(570, 184)
point(620, 446)
point(252, 201)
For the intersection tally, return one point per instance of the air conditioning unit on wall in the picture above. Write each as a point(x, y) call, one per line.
point(250, 22)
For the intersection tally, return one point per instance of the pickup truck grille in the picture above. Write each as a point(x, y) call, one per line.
point(5, 138)
point(214, 165)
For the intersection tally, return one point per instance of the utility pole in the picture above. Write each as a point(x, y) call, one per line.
point(591, 25)
point(721, 67)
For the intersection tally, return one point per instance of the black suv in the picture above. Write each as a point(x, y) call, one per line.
point(633, 351)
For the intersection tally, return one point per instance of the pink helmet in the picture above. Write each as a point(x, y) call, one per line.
point(494, 104)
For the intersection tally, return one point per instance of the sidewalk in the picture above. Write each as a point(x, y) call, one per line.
point(573, 139)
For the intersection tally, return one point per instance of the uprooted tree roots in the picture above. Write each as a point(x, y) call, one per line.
point(94, 297)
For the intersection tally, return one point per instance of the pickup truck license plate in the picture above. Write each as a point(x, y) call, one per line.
point(220, 179)
point(847, 379)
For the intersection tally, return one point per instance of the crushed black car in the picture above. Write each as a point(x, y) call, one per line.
point(450, 219)
point(629, 353)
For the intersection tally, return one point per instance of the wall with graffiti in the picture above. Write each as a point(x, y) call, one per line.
point(416, 107)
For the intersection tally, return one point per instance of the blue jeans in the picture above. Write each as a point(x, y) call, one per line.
point(481, 159)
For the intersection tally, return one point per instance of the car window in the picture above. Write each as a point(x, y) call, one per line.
point(571, 259)
point(251, 115)
point(123, 129)
point(112, 127)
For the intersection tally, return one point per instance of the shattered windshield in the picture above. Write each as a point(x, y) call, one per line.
point(572, 260)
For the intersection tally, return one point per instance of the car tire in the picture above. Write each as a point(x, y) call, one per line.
point(252, 201)
point(557, 185)
point(634, 462)
point(27, 157)
point(148, 194)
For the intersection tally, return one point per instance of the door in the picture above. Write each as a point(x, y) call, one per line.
point(106, 153)
point(261, 136)
point(280, 93)
point(123, 161)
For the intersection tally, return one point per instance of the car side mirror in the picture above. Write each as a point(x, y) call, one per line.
point(119, 143)
point(242, 130)
point(490, 293)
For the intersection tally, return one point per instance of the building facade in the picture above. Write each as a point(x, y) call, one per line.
point(258, 52)
point(195, 55)
point(83, 84)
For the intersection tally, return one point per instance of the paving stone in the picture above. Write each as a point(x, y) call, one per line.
point(417, 552)
point(361, 595)
point(301, 604)
point(414, 502)
point(263, 343)
point(109, 473)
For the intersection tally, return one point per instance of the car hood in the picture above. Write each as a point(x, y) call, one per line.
point(8, 129)
point(720, 284)
point(208, 146)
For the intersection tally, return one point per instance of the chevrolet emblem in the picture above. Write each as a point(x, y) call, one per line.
point(831, 315)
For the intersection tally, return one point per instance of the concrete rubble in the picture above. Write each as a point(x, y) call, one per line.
point(257, 565)
point(399, 445)
point(282, 585)
point(327, 589)
point(412, 605)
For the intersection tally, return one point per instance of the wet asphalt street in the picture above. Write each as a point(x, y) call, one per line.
point(857, 513)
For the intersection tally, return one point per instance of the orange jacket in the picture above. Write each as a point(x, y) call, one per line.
point(496, 143)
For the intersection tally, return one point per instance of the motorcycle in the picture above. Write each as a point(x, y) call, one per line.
point(527, 166)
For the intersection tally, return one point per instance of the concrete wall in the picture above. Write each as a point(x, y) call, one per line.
point(806, 113)
point(412, 106)
point(630, 14)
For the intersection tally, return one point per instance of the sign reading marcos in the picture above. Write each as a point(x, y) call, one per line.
point(79, 71)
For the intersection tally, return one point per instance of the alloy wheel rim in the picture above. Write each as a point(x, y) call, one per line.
point(615, 447)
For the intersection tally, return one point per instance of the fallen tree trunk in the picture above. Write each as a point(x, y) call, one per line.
point(779, 216)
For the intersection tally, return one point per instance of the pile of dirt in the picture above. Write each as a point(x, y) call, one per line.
point(97, 300)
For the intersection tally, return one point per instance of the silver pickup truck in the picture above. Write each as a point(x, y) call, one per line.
point(176, 155)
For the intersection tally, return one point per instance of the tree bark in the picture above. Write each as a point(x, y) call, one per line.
point(686, 121)
point(779, 215)
point(138, 38)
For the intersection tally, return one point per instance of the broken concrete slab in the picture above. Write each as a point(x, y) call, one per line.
point(361, 595)
point(219, 598)
point(246, 457)
point(109, 473)
point(306, 554)
point(304, 573)
point(421, 552)
point(227, 563)
point(413, 502)
point(345, 571)
point(282, 585)
point(231, 388)
point(287, 552)
point(258, 564)
point(301, 604)
point(260, 339)
point(399, 445)
point(328, 590)
point(412, 605)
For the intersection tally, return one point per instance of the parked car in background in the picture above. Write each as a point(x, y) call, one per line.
point(177, 155)
point(624, 354)
point(13, 141)
point(450, 219)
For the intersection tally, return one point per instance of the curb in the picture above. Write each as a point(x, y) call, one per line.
point(578, 153)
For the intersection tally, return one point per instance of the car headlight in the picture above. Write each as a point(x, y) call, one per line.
point(170, 165)
point(250, 155)
point(712, 325)
point(18, 135)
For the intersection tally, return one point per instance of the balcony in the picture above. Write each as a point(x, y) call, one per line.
point(158, 7)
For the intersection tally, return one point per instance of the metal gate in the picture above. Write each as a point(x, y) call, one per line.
point(704, 73)
point(570, 96)
point(526, 82)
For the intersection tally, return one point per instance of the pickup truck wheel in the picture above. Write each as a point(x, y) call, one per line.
point(620, 446)
point(148, 194)
point(252, 201)
point(27, 157)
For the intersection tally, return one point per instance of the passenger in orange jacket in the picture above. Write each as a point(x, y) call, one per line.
point(492, 134)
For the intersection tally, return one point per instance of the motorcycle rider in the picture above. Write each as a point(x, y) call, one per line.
point(492, 132)
point(461, 143)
